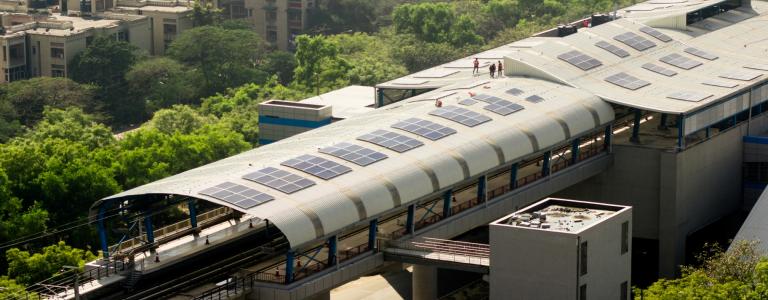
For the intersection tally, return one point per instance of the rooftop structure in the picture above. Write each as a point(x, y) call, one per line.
point(561, 217)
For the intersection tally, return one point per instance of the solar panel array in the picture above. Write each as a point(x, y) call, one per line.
point(656, 34)
point(467, 102)
point(316, 166)
point(390, 140)
point(580, 60)
point(611, 48)
point(515, 92)
point(280, 180)
point(635, 41)
point(659, 70)
point(627, 81)
point(534, 99)
point(487, 98)
point(680, 61)
point(689, 96)
point(460, 115)
point(742, 75)
point(424, 128)
point(720, 83)
point(503, 107)
point(353, 153)
point(700, 53)
point(238, 195)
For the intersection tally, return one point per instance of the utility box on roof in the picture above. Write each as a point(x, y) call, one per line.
point(281, 119)
point(562, 249)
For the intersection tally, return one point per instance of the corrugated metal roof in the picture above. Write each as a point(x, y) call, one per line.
point(331, 205)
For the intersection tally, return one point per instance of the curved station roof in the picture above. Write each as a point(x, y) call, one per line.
point(317, 183)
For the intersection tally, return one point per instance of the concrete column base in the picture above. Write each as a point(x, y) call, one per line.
point(424, 282)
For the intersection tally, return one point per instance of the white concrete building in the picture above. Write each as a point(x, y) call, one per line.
point(562, 249)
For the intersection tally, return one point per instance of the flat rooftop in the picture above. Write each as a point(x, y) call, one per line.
point(560, 215)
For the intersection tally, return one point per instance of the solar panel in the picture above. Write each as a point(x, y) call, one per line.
point(580, 60)
point(515, 92)
point(316, 166)
point(761, 67)
point(627, 81)
point(424, 128)
point(743, 75)
point(534, 99)
point(720, 83)
point(700, 53)
point(390, 140)
point(503, 107)
point(238, 195)
point(487, 98)
point(680, 61)
point(611, 48)
point(467, 102)
point(280, 180)
point(460, 115)
point(689, 96)
point(659, 69)
point(353, 153)
point(635, 41)
point(656, 34)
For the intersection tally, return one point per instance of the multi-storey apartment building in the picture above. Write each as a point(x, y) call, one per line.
point(279, 21)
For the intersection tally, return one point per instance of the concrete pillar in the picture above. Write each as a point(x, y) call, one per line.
point(103, 231)
point(575, 150)
point(409, 219)
point(671, 223)
point(424, 282)
point(447, 196)
point(635, 138)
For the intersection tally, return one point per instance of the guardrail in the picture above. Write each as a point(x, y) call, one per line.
point(443, 250)
point(59, 284)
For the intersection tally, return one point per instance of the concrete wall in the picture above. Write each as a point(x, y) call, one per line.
point(673, 193)
point(607, 267)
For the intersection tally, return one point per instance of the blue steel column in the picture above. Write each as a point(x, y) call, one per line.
point(380, 97)
point(148, 227)
point(481, 188)
point(663, 122)
point(289, 267)
point(192, 213)
point(575, 150)
point(103, 231)
point(608, 139)
point(409, 218)
point(332, 250)
point(513, 177)
point(545, 164)
point(636, 128)
point(447, 196)
point(680, 132)
point(372, 229)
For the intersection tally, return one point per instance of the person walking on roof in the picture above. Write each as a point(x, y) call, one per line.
point(500, 69)
point(476, 69)
point(492, 68)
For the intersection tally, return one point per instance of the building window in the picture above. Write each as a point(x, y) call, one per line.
point(623, 291)
point(583, 259)
point(583, 292)
point(16, 73)
point(57, 50)
point(272, 36)
point(57, 71)
point(122, 36)
point(624, 237)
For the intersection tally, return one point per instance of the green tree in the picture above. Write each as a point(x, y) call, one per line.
point(369, 57)
point(104, 63)
point(15, 221)
point(29, 97)
point(9, 289)
point(9, 121)
point(282, 64)
point(161, 82)
point(27, 268)
point(179, 118)
point(224, 58)
point(318, 63)
point(205, 14)
point(240, 98)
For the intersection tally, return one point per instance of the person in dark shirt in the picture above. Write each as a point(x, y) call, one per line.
point(476, 69)
point(500, 69)
point(492, 68)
